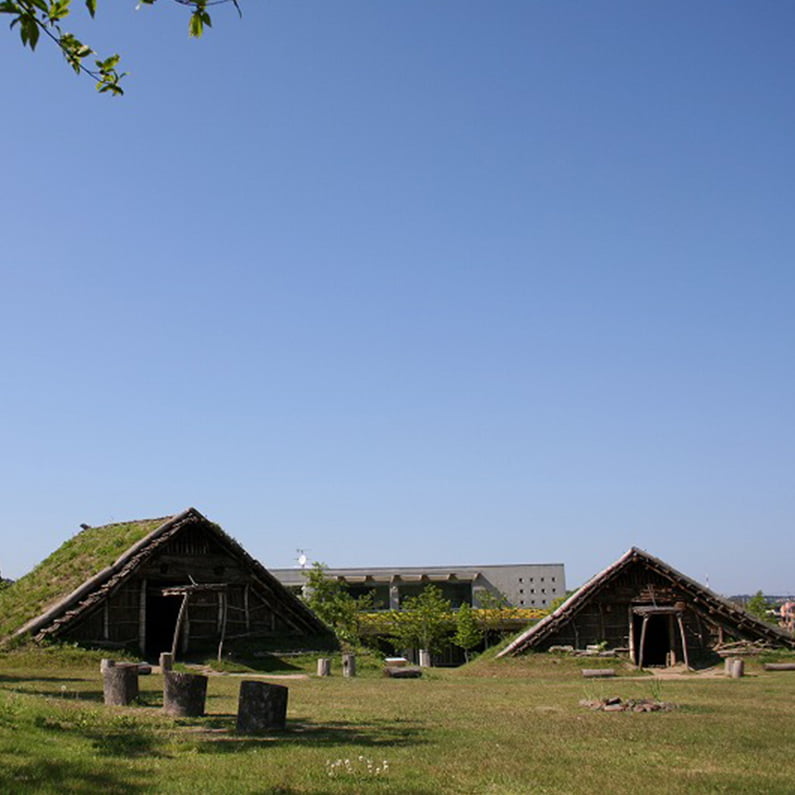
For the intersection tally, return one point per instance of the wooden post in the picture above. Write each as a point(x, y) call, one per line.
point(727, 666)
point(261, 707)
point(120, 684)
point(142, 618)
point(166, 661)
point(738, 668)
point(184, 695)
point(642, 641)
point(324, 666)
point(180, 618)
point(246, 607)
point(425, 658)
point(681, 623)
point(349, 665)
point(222, 604)
point(106, 619)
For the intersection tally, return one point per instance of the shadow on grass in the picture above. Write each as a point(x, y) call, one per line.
point(47, 775)
point(7, 678)
point(67, 694)
point(217, 734)
point(314, 735)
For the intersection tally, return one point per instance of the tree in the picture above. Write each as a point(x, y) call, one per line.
point(757, 606)
point(494, 610)
point(467, 632)
point(34, 17)
point(423, 621)
point(329, 599)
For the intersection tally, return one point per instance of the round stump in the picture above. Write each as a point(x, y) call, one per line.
point(261, 707)
point(120, 684)
point(348, 664)
point(184, 695)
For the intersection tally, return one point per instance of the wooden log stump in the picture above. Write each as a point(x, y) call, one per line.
point(184, 695)
point(261, 707)
point(598, 673)
point(402, 671)
point(120, 684)
point(324, 666)
point(166, 661)
point(349, 665)
point(738, 669)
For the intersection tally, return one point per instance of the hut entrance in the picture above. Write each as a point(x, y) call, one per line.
point(161, 621)
point(654, 635)
point(657, 640)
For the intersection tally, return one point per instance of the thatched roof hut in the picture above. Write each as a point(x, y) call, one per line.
point(152, 583)
point(647, 608)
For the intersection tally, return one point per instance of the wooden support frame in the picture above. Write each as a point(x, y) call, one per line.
point(183, 609)
point(142, 616)
point(223, 609)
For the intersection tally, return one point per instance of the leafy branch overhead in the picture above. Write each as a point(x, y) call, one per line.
point(36, 17)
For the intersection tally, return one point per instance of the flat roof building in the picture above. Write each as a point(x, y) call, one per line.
point(521, 584)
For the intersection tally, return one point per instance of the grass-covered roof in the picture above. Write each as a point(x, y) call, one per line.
point(74, 562)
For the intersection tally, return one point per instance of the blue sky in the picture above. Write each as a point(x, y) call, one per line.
point(409, 283)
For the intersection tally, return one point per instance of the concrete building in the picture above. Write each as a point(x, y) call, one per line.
point(522, 584)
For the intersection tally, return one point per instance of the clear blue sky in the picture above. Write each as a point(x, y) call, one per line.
point(418, 282)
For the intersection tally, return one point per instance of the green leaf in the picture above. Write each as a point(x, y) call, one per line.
point(29, 31)
point(91, 5)
point(58, 10)
point(196, 24)
point(9, 7)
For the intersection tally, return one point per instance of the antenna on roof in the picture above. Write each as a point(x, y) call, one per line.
point(302, 558)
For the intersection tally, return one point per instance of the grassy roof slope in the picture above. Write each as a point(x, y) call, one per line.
point(81, 557)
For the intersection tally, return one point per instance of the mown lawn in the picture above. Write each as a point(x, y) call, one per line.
point(493, 727)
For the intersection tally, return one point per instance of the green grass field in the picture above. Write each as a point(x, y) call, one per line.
point(491, 727)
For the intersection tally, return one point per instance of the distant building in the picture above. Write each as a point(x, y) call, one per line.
point(522, 584)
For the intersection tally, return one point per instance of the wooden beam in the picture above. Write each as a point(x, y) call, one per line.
point(642, 641)
point(222, 602)
point(142, 617)
point(684, 641)
point(180, 618)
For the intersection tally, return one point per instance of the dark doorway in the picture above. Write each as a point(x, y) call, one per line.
point(161, 621)
point(657, 643)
